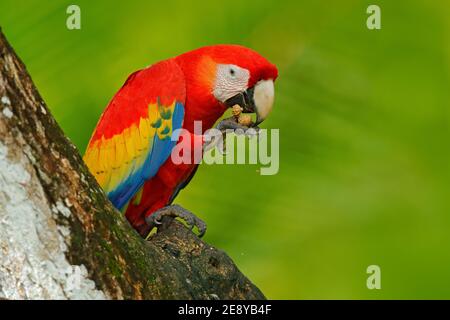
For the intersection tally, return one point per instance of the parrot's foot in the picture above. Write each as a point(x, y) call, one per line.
point(229, 124)
point(232, 124)
point(174, 211)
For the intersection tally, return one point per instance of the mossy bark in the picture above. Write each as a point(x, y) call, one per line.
point(174, 264)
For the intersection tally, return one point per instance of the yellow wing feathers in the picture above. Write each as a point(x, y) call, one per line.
point(114, 159)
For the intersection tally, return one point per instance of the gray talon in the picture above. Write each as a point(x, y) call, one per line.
point(229, 124)
point(155, 219)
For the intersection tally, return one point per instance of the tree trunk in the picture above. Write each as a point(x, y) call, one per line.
point(60, 237)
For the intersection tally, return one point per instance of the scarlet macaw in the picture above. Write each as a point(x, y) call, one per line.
point(129, 151)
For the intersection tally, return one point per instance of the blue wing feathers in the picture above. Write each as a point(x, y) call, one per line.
point(159, 153)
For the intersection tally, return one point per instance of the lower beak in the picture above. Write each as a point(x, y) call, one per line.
point(257, 99)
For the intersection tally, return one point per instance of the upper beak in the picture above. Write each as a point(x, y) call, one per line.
point(257, 99)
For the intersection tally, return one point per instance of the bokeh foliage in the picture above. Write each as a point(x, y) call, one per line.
point(363, 118)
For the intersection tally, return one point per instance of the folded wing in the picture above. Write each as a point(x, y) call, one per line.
point(133, 136)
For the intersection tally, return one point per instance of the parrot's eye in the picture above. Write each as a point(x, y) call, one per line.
point(230, 80)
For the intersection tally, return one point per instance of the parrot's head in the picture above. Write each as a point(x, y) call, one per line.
point(220, 76)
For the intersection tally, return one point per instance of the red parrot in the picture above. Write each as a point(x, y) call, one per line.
point(129, 151)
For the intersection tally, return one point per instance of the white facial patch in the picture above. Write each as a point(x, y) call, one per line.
point(263, 96)
point(230, 81)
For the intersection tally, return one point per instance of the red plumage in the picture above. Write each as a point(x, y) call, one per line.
point(188, 79)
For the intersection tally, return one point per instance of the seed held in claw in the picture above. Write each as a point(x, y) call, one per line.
point(245, 120)
point(236, 111)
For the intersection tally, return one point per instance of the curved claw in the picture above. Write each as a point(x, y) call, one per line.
point(189, 222)
point(201, 231)
point(155, 219)
point(230, 124)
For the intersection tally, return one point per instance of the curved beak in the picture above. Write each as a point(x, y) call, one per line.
point(257, 99)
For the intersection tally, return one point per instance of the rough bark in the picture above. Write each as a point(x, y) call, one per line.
point(60, 238)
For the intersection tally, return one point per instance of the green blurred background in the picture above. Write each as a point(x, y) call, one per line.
point(363, 118)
